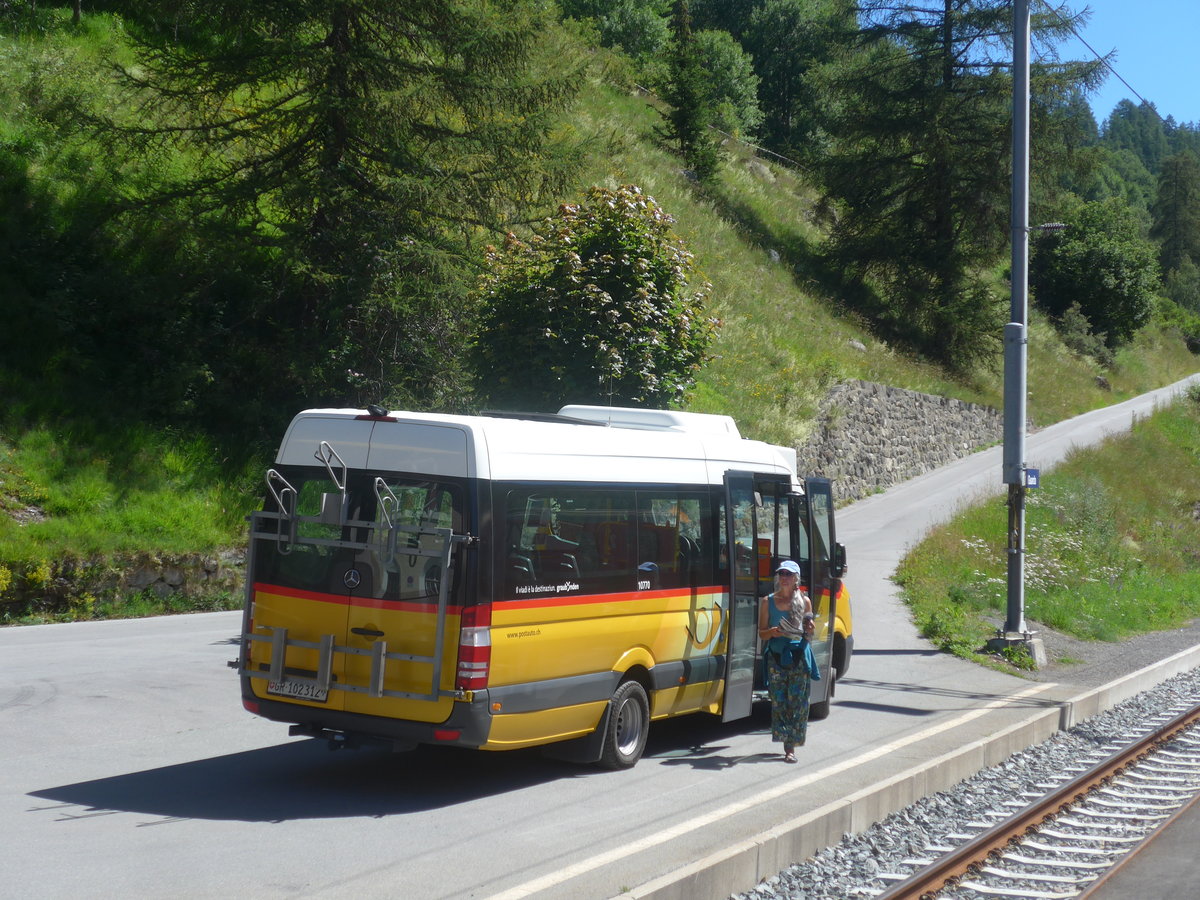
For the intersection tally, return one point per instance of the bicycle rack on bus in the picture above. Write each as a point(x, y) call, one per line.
point(420, 541)
point(431, 543)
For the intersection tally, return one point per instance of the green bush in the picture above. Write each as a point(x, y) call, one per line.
point(1102, 264)
point(599, 306)
point(1186, 321)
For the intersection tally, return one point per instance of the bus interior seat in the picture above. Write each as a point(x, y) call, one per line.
point(687, 555)
point(520, 569)
point(551, 563)
point(556, 556)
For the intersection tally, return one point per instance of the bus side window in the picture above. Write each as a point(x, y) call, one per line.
point(518, 559)
point(564, 540)
point(669, 539)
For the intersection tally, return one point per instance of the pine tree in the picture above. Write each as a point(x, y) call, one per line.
point(1140, 129)
point(916, 164)
point(361, 142)
point(691, 115)
point(1176, 212)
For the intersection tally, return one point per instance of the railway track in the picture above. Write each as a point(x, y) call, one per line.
point(1059, 844)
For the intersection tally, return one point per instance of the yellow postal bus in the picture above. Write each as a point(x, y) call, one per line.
point(505, 581)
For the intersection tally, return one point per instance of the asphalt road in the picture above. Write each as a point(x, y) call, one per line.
point(130, 769)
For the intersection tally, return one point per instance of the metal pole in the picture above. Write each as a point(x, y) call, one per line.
point(1015, 333)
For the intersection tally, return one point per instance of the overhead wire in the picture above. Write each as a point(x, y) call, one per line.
point(1102, 59)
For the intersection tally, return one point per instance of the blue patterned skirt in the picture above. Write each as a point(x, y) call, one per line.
point(788, 688)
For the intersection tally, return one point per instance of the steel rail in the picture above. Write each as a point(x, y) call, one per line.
point(949, 868)
point(1101, 883)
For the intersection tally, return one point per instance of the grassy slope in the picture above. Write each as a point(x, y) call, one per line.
point(784, 338)
point(1112, 540)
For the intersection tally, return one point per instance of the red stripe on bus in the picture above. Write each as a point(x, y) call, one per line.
point(532, 603)
point(622, 597)
point(357, 602)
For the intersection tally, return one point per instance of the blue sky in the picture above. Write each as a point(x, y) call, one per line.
point(1158, 53)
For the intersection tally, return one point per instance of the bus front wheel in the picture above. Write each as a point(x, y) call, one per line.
point(628, 726)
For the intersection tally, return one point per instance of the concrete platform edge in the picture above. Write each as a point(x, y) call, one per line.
point(740, 867)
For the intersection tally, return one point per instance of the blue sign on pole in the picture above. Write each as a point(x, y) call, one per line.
point(1031, 478)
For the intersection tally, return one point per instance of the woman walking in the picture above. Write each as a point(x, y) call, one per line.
point(784, 623)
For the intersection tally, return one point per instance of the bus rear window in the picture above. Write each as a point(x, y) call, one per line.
point(328, 544)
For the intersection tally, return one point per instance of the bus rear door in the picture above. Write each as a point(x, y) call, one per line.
point(351, 595)
point(401, 643)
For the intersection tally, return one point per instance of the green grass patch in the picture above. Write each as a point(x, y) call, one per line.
point(93, 493)
point(1112, 546)
point(78, 506)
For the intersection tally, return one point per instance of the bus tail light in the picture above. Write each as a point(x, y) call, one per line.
point(474, 647)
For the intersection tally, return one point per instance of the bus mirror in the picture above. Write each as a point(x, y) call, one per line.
point(837, 564)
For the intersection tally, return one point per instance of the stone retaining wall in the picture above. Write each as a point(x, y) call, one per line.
point(78, 586)
point(189, 573)
point(870, 436)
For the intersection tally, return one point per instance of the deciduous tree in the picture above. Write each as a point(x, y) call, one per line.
point(1100, 263)
point(789, 40)
point(732, 84)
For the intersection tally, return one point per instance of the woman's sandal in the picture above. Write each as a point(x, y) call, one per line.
point(789, 757)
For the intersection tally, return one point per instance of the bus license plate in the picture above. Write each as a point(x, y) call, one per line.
point(298, 690)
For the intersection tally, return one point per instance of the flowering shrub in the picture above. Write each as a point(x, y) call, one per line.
point(597, 307)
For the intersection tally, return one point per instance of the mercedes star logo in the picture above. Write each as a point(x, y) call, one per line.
point(352, 578)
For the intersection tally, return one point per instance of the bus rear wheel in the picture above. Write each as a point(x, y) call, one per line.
point(628, 726)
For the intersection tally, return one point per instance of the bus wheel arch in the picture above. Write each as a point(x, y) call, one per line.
point(840, 660)
point(820, 710)
point(627, 725)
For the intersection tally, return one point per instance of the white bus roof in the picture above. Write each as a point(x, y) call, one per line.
point(626, 417)
point(648, 446)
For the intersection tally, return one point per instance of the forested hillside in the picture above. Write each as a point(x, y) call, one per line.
point(215, 214)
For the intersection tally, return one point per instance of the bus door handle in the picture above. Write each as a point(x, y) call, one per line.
point(367, 632)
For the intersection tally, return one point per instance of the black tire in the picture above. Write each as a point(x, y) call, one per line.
point(628, 727)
